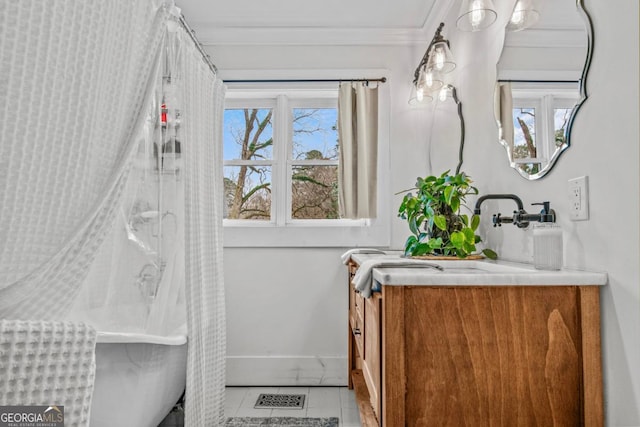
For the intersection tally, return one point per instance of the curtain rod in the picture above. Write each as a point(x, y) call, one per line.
point(537, 81)
point(380, 80)
point(205, 56)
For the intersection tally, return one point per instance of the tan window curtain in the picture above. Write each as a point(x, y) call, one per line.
point(503, 109)
point(358, 134)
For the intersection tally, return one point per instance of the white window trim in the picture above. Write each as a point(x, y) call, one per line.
point(282, 231)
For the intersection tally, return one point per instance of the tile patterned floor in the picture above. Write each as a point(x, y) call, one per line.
point(320, 402)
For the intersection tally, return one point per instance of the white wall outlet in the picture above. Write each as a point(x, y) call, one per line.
point(578, 199)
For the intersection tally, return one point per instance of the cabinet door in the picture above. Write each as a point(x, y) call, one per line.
point(372, 368)
point(492, 356)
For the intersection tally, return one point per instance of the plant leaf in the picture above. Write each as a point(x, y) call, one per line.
point(469, 247)
point(490, 254)
point(410, 240)
point(421, 249)
point(475, 222)
point(448, 193)
point(435, 243)
point(457, 239)
point(440, 221)
point(410, 245)
point(455, 203)
point(413, 226)
point(469, 235)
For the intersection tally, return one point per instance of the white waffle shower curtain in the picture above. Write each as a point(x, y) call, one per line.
point(203, 104)
point(76, 77)
point(79, 80)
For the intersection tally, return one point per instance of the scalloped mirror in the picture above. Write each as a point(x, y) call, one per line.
point(541, 84)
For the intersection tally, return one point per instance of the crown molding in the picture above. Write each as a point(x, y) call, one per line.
point(211, 35)
point(547, 37)
point(437, 15)
point(287, 36)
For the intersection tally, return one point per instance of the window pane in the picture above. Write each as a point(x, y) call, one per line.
point(524, 129)
point(315, 134)
point(247, 192)
point(248, 134)
point(560, 120)
point(314, 192)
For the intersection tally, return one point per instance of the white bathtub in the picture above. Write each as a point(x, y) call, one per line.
point(139, 378)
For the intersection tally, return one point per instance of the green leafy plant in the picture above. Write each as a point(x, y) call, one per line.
point(434, 218)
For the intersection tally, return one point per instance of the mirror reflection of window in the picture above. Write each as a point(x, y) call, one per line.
point(540, 114)
point(524, 124)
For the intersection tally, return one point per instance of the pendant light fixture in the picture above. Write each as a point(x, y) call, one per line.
point(476, 15)
point(428, 76)
point(419, 98)
point(525, 14)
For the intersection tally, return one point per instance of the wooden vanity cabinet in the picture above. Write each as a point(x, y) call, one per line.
point(364, 349)
point(476, 355)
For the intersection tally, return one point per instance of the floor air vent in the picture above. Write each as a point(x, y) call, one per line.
point(286, 401)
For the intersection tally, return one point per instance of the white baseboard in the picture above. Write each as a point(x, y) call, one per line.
point(286, 371)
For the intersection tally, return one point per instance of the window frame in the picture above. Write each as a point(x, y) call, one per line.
point(283, 230)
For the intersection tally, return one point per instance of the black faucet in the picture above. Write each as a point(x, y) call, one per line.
point(498, 196)
point(520, 217)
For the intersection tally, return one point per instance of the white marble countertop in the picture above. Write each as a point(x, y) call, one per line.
point(477, 273)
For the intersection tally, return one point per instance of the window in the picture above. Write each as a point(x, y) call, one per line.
point(281, 170)
point(303, 149)
point(314, 163)
point(248, 162)
point(540, 118)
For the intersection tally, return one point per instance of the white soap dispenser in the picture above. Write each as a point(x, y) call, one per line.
point(547, 241)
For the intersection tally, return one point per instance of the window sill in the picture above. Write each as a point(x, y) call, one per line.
point(307, 234)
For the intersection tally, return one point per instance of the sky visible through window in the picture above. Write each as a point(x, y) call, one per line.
point(233, 131)
point(324, 137)
point(315, 130)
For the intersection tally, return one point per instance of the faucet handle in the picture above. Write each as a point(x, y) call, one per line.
point(546, 206)
point(546, 214)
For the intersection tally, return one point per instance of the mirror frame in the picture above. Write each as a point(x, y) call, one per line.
point(456, 100)
point(454, 95)
point(582, 83)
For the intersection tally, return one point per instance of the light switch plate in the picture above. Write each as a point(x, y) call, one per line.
point(578, 197)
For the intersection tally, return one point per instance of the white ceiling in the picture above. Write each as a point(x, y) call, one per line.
point(343, 22)
point(316, 22)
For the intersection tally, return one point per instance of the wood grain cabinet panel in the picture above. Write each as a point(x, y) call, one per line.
point(481, 356)
point(371, 368)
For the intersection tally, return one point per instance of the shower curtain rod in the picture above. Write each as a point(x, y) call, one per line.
point(205, 56)
point(537, 81)
point(380, 80)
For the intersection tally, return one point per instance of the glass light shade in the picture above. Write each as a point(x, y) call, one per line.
point(444, 93)
point(440, 58)
point(429, 80)
point(476, 15)
point(525, 14)
point(419, 98)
